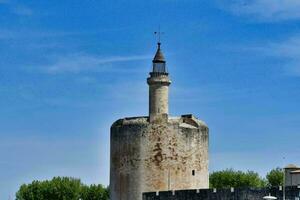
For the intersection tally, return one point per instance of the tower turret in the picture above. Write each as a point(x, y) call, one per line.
point(158, 82)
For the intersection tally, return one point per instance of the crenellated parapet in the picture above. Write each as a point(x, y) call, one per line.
point(224, 194)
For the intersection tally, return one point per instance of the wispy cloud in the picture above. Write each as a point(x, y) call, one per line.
point(4, 1)
point(22, 10)
point(21, 34)
point(16, 8)
point(25, 34)
point(78, 63)
point(264, 10)
point(288, 50)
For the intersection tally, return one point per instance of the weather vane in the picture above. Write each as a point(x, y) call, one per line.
point(158, 33)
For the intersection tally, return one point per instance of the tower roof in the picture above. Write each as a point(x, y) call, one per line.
point(291, 166)
point(159, 56)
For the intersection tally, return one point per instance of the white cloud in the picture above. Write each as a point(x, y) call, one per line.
point(265, 10)
point(79, 63)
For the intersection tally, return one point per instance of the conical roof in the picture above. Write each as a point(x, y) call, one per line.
point(159, 56)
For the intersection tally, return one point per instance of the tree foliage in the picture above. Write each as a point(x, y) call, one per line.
point(61, 188)
point(275, 177)
point(237, 179)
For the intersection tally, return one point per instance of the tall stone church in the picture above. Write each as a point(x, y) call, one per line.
point(157, 152)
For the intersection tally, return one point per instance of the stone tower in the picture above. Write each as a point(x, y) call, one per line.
point(158, 87)
point(157, 152)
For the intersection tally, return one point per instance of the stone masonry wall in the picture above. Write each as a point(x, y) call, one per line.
point(158, 99)
point(168, 154)
point(158, 94)
point(292, 193)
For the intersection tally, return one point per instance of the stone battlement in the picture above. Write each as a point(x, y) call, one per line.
point(292, 193)
point(182, 120)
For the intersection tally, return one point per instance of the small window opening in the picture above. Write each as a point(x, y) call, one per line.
point(193, 172)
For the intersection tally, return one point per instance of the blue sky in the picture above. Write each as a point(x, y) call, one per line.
point(69, 69)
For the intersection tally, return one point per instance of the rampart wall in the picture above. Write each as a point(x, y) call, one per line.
point(292, 193)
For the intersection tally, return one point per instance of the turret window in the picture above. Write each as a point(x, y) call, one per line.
point(159, 67)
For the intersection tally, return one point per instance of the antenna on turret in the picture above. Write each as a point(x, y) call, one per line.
point(158, 33)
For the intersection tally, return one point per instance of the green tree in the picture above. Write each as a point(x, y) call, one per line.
point(94, 192)
point(238, 179)
point(61, 188)
point(275, 177)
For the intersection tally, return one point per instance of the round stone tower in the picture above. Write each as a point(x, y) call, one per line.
point(158, 86)
point(157, 152)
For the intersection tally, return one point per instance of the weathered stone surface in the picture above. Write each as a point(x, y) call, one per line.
point(166, 154)
point(157, 152)
point(224, 194)
point(158, 94)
